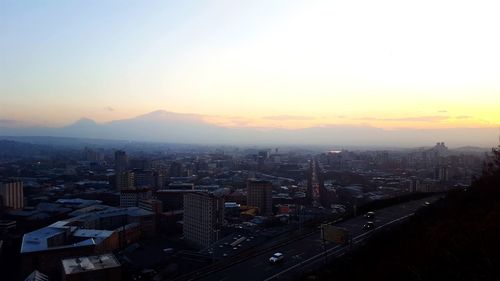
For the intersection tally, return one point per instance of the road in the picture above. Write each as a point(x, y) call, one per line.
point(309, 250)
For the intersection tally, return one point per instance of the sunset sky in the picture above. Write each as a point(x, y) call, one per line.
point(292, 64)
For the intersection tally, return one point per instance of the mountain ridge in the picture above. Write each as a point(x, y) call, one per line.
point(166, 126)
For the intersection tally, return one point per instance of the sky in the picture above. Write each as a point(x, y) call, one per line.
point(287, 64)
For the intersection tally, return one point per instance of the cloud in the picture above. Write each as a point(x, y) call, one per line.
point(8, 122)
point(433, 118)
point(231, 121)
point(463, 117)
point(287, 117)
point(442, 111)
point(11, 123)
point(109, 108)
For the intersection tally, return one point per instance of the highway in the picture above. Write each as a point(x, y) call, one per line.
point(309, 251)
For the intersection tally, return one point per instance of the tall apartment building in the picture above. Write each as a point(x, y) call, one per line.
point(260, 195)
point(414, 184)
point(92, 155)
point(121, 173)
point(175, 169)
point(121, 161)
point(203, 218)
point(12, 194)
point(441, 173)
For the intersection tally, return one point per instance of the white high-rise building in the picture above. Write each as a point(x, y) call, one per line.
point(203, 218)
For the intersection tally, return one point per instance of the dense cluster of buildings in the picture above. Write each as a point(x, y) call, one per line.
point(74, 215)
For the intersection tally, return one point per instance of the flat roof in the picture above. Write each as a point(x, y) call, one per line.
point(89, 263)
point(37, 240)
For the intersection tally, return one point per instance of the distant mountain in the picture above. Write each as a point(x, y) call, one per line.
point(164, 126)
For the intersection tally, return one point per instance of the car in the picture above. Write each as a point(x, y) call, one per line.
point(276, 257)
point(168, 250)
point(370, 215)
point(369, 225)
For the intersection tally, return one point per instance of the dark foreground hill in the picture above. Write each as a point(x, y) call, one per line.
point(457, 238)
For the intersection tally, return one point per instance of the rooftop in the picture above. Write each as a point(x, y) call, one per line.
point(40, 240)
point(37, 276)
point(89, 263)
point(71, 235)
point(78, 202)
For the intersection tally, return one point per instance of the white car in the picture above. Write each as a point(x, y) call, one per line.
point(276, 257)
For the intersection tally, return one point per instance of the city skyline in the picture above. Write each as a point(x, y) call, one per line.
point(248, 140)
point(262, 64)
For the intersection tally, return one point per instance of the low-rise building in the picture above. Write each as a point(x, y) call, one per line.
point(96, 268)
point(87, 234)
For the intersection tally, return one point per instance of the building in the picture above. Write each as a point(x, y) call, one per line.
point(175, 169)
point(7, 226)
point(124, 180)
point(12, 194)
point(441, 173)
point(414, 184)
point(203, 218)
point(260, 195)
point(121, 161)
point(153, 205)
point(131, 197)
point(160, 177)
point(144, 178)
point(37, 276)
point(172, 199)
point(43, 249)
point(96, 268)
point(181, 186)
point(232, 209)
point(92, 155)
point(88, 234)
